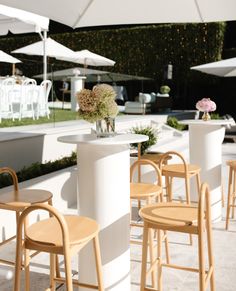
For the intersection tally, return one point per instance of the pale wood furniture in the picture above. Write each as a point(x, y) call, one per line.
point(179, 170)
point(145, 191)
point(58, 235)
point(149, 193)
point(17, 200)
point(231, 191)
point(183, 218)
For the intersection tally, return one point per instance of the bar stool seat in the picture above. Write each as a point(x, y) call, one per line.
point(23, 199)
point(179, 170)
point(231, 191)
point(144, 190)
point(17, 200)
point(177, 217)
point(59, 234)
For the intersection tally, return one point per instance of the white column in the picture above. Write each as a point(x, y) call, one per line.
point(77, 83)
point(104, 196)
point(205, 150)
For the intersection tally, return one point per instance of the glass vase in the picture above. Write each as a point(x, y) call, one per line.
point(206, 116)
point(105, 127)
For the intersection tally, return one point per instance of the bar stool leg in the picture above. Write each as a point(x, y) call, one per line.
point(210, 253)
point(167, 247)
point(198, 184)
point(229, 197)
point(201, 263)
point(98, 263)
point(168, 184)
point(67, 262)
point(187, 189)
point(152, 258)
point(144, 258)
point(159, 254)
point(52, 272)
point(18, 264)
point(234, 192)
point(26, 261)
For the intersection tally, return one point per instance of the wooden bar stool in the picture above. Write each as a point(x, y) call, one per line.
point(183, 218)
point(149, 193)
point(179, 170)
point(231, 191)
point(17, 200)
point(58, 235)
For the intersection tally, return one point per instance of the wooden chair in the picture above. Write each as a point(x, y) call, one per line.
point(147, 192)
point(231, 191)
point(183, 218)
point(179, 170)
point(17, 200)
point(58, 235)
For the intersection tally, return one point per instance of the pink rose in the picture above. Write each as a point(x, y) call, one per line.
point(206, 105)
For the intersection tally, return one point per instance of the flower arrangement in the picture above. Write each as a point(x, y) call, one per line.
point(98, 103)
point(206, 105)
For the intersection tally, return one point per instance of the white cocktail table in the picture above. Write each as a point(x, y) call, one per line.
point(205, 140)
point(104, 195)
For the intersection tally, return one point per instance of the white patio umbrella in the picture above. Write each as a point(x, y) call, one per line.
point(223, 68)
point(6, 58)
point(87, 58)
point(48, 47)
point(112, 12)
point(53, 49)
point(19, 21)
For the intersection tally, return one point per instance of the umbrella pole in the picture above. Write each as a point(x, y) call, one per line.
point(13, 69)
point(44, 38)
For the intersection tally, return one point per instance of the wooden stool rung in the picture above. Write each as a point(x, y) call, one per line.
point(7, 240)
point(77, 283)
point(173, 266)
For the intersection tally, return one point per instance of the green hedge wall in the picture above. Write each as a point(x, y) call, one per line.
point(138, 50)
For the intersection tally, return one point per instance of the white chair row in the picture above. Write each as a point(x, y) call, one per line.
point(25, 100)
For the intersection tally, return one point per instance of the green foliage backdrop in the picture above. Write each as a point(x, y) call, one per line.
point(139, 50)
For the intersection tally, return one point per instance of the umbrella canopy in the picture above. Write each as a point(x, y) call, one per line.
point(92, 75)
point(52, 49)
point(87, 58)
point(224, 68)
point(6, 58)
point(46, 47)
point(19, 21)
point(112, 12)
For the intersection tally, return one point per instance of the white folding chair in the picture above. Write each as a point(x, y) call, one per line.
point(6, 109)
point(28, 91)
point(41, 108)
point(5, 106)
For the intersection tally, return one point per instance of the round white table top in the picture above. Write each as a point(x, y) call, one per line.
point(119, 139)
point(217, 122)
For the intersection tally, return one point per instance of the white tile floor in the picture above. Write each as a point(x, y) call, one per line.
point(224, 253)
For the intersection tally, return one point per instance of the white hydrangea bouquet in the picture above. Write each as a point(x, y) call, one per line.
point(98, 103)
